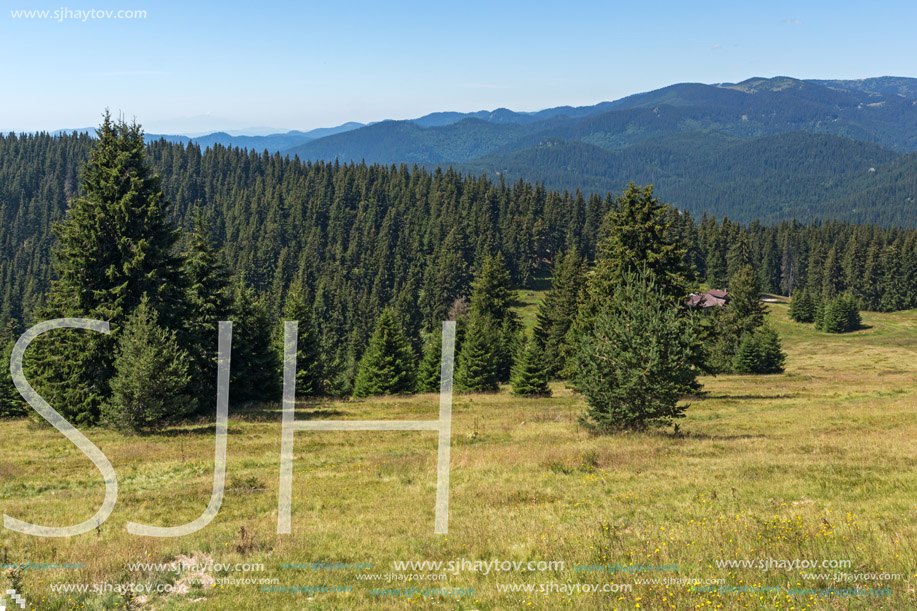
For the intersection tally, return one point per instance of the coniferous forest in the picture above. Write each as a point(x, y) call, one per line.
point(164, 240)
point(395, 306)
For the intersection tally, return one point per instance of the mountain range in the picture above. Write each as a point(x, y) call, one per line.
point(764, 148)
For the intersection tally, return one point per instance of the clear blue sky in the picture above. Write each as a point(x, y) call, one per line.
point(301, 65)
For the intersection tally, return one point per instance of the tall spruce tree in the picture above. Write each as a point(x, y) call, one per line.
point(832, 281)
point(638, 239)
point(558, 310)
point(308, 363)
point(738, 257)
point(430, 370)
point(208, 301)
point(116, 243)
point(789, 274)
point(640, 359)
point(387, 366)
point(492, 289)
point(816, 269)
point(114, 246)
point(745, 310)
point(637, 235)
point(253, 375)
point(491, 298)
point(476, 365)
point(12, 404)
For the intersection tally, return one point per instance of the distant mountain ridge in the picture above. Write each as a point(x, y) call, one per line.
point(786, 92)
point(769, 148)
point(272, 143)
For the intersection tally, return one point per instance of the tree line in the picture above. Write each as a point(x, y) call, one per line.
point(369, 259)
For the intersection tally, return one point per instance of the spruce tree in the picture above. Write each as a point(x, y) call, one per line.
point(208, 301)
point(832, 280)
point(114, 246)
point(745, 306)
point(12, 405)
point(759, 352)
point(739, 256)
point(841, 315)
point(254, 369)
point(892, 287)
point(491, 298)
point(151, 386)
point(748, 356)
point(638, 235)
point(789, 274)
point(802, 307)
point(430, 370)
point(819, 316)
point(741, 316)
point(773, 357)
point(640, 359)
point(815, 270)
point(852, 312)
point(492, 289)
point(558, 310)
point(387, 366)
point(476, 366)
point(530, 374)
point(116, 243)
point(308, 362)
point(869, 283)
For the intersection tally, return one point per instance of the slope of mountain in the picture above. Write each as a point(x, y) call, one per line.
point(406, 142)
point(272, 143)
point(884, 85)
point(771, 178)
point(769, 148)
point(753, 108)
point(502, 115)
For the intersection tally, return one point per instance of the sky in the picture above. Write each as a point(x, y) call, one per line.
point(189, 67)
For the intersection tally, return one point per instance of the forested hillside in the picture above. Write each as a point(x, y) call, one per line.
point(770, 149)
point(774, 178)
point(164, 241)
point(360, 237)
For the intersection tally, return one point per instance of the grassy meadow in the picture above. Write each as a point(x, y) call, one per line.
point(819, 463)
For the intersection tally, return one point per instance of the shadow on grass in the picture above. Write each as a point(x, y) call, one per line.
point(191, 429)
point(691, 436)
point(678, 434)
point(306, 409)
point(741, 397)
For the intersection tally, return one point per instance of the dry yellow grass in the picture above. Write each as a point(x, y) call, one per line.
point(814, 464)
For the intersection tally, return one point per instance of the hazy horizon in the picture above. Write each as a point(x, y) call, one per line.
point(196, 126)
point(309, 66)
